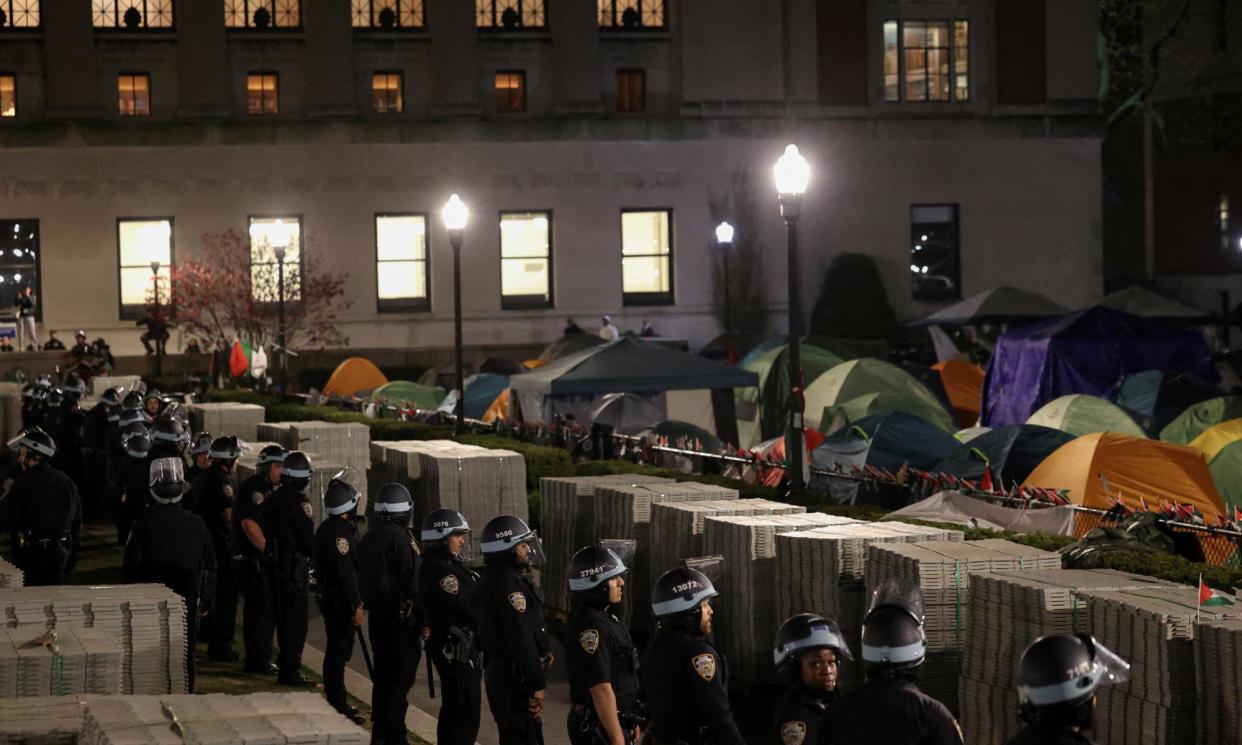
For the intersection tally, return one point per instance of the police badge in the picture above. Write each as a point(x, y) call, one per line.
point(518, 601)
point(342, 545)
point(793, 733)
point(705, 666)
point(449, 584)
point(589, 640)
point(257, 498)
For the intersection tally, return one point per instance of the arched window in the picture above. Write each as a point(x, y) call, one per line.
point(132, 15)
point(389, 15)
point(511, 14)
point(263, 14)
point(631, 15)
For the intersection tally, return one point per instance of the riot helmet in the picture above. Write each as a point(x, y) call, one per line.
point(167, 480)
point(341, 497)
point(1058, 676)
point(802, 633)
point(894, 642)
point(296, 470)
point(200, 444)
point(502, 537)
point(678, 595)
point(590, 571)
point(169, 429)
point(37, 444)
point(393, 503)
point(138, 444)
point(225, 448)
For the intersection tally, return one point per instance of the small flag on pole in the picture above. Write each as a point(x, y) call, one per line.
point(1212, 594)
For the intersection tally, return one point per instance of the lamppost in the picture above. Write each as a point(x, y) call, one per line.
point(280, 246)
point(455, 216)
point(792, 174)
point(156, 316)
point(724, 239)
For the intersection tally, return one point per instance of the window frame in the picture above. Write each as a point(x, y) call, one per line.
point(957, 251)
point(17, 112)
point(400, 93)
point(951, 23)
point(497, 27)
point(150, 97)
point(276, 89)
point(295, 216)
point(374, 25)
point(248, 16)
point(403, 305)
point(133, 312)
point(119, 18)
point(649, 299)
point(642, 76)
point(521, 74)
point(38, 262)
point(616, 25)
point(526, 302)
point(8, 27)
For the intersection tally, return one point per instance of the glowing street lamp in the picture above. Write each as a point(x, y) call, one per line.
point(724, 239)
point(792, 174)
point(455, 216)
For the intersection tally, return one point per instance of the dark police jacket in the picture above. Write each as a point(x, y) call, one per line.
point(447, 591)
point(388, 569)
point(687, 687)
point(511, 626)
point(802, 717)
point(892, 711)
point(1049, 736)
point(212, 494)
point(171, 546)
point(248, 505)
point(43, 504)
point(600, 651)
point(336, 565)
point(290, 531)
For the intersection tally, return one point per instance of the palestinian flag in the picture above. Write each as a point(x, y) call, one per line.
point(1211, 594)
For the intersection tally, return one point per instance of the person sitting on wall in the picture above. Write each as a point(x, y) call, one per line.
point(53, 344)
point(157, 320)
point(80, 348)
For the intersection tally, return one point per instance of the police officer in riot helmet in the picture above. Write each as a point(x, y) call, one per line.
point(152, 404)
point(200, 458)
point(168, 438)
point(171, 545)
point(389, 569)
point(1057, 681)
point(448, 591)
point(95, 450)
point(808, 653)
point(132, 485)
point(287, 518)
point(70, 455)
point(32, 408)
point(337, 595)
point(43, 510)
point(686, 679)
point(889, 707)
point(602, 659)
point(254, 570)
point(514, 636)
point(212, 497)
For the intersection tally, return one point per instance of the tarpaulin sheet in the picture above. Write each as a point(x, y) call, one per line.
point(955, 507)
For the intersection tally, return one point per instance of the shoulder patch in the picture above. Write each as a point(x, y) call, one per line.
point(705, 666)
point(589, 640)
point(257, 497)
point(449, 584)
point(307, 509)
point(518, 601)
point(793, 733)
point(342, 546)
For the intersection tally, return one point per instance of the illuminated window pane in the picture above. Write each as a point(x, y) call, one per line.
point(892, 73)
point(926, 60)
point(20, 13)
point(934, 261)
point(134, 15)
point(388, 14)
point(262, 14)
point(510, 92)
point(525, 259)
point(19, 261)
point(266, 234)
point(631, 91)
point(401, 262)
point(263, 93)
point(961, 60)
point(646, 257)
point(510, 14)
point(140, 243)
point(631, 15)
point(386, 92)
point(134, 94)
point(8, 96)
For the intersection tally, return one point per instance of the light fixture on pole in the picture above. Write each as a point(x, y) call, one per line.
point(724, 239)
point(156, 316)
point(792, 174)
point(279, 241)
point(455, 216)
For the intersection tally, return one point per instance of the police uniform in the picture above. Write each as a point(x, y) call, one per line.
point(43, 508)
point(388, 564)
point(254, 575)
point(95, 444)
point(287, 523)
point(515, 650)
point(599, 651)
point(448, 592)
point(172, 546)
point(212, 498)
point(336, 572)
point(132, 496)
point(687, 686)
point(802, 717)
point(892, 711)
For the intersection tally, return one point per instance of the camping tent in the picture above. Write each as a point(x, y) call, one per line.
point(627, 413)
point(686, 435)
point(1157, 397)
point(1000, 305)
point(970, 433)
point(1085, 352)
point(1010, 452)
point(1194, 420)
point(873, 404)
point(403, 393)
point(963, 383)
point(354, 375)
point(1080, 415)
point(1141, 301)
point(886, 441)
point(1222, 446)
point(1104, 465)
point(855, 378)
point(767, 404)
point(482, 390)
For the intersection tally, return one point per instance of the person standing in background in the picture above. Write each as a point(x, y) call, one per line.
point(24, 305)
point(607, 331)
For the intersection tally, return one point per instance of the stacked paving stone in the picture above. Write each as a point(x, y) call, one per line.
point(1006, 611)
point(1218, 678)
point(823, 571)
point(347, 443)
point(55, 663)
point(147, 622)
point(10, 409)
point(323, 471)
point(568, 524)
point(942, 570)
point(227, 418)
point(747, 619)
point(677, 527)
point(10, 576)
point(44, 720)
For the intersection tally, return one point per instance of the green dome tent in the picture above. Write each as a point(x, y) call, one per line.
point(1193, 421)
point(761, 411)
point(1221, 445)
point(1080, 414)
point(871, 404)
point(402, 393)
point(857, 378)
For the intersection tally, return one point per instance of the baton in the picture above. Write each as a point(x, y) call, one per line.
point(366, 653)
point(431, 681)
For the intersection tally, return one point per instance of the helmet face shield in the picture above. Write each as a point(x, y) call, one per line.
point(819, 633)
point(165, 470)
point(1113, 669)
point(900, 592)
point(712, 567)
point(1073, 672)
point(623, 548)
point(532, 549)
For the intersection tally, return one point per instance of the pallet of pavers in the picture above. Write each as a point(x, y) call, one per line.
point(10, 409)
point(747, 617)
point(394, 462)
point(677, 527)
point(347, 443)
point(227, 418)
point(323, 469)
point(42, 720)
point(56, 663)
point(942, 570)
point(822, 570)
point(1218, 678)
point(567, 524)
point(1005, 612)
point(10, 576)
point(147, 622)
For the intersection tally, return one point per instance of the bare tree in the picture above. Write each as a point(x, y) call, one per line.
point(747, 298)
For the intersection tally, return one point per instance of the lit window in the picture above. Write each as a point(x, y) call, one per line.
point(934, 266)
point(19, 14)
point(1222, 216)
point(140, 243)
point(510, 92)
point(401, 267)
point(8, 96)
point(525, 259)
point(386, 91)
point(631, 91)
point(646, 257)
point(262, 14)
point(388, 14)
point(926, 61)
point(510, 14)
point(631, 15)
point(19, 261)
point(263, 93)
point(134, 94)
point(132, 14)
point(267, 235)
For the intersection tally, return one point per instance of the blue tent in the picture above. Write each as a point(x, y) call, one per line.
point(481, 392)
point(1157, 397)
point(1011, 452)
point(887, 441)
point(1090, 351)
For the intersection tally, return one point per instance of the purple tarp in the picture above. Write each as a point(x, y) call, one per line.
point(1085, 352)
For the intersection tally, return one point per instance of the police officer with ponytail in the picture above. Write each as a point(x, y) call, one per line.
point(448, 590)
point(340, 604)
point(808, 653)
point(389, 565)
point(43, 509)
point(288, 524)
point(603, 662)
